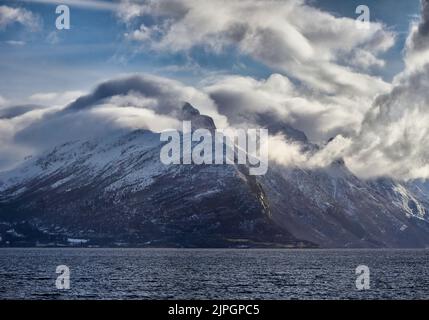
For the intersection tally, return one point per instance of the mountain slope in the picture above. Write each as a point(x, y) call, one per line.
point(333, 208)
point(115, 190)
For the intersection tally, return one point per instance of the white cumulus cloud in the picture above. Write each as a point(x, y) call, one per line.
point(10, 15)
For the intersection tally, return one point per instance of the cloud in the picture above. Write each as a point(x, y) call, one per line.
point(13, 111)
point(276, 99)
point(3, 102)
point(320, 85)
point(9, 16)
point(162, 95)
point(118, 105)
point(154, 103)
point(53, 37)
point(292, 153)
point(394, 139)
point(137, 102)
point(394, 136)
point(15, 42)
point(14, 119)
point(287, 36)
point(87, 4)
point(55, 98)
point(417, 46)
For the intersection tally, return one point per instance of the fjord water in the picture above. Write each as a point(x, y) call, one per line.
point(213, 273)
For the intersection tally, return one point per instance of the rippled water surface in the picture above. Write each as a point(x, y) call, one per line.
point(213, 274)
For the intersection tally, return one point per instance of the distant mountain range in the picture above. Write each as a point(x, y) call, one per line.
point(116, 192)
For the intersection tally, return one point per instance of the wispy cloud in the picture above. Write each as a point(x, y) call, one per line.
point(15, 42)
point(3, 101)
point(9, 16)
point(88, 4)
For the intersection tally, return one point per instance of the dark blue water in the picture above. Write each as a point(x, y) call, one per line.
point(213, 274)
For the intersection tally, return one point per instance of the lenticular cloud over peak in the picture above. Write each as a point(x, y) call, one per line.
point(297, 69)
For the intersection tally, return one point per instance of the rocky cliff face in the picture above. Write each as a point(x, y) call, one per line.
point(333, 208)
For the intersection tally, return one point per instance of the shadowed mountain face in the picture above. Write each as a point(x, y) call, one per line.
point(198, 121)
point(117, 191)
point(333, 208)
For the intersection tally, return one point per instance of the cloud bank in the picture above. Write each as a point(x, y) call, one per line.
point(291, 37)
point(394, 138)
point(321, 85)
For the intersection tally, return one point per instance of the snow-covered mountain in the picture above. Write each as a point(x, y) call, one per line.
point(115, 190)
point(333, 208)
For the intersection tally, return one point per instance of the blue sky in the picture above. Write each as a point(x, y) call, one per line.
point(94, 49)
point(397, 15)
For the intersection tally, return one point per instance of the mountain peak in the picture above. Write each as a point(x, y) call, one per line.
point(189, 111)
point(199, 121)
